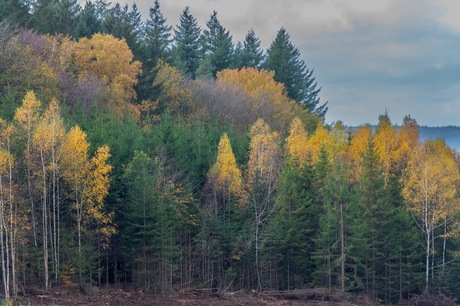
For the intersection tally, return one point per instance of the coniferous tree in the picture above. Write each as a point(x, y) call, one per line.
point(88, 22)
point(44, 17)
point(156, 46)
point(332, 240)
point(187, 44)
point(284, 58)
point(15, 11)
point(373, 202)
point(297, 223)
point(217, 46)
point(157, 41)
point(249, 54)
point(67, 16)
point(123, 23)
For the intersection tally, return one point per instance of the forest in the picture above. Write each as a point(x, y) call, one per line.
point(138, 155)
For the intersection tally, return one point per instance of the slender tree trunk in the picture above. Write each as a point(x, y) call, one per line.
point(342, 250)
point(443, 255)
point(4, 245)
point(427, 259)
point(12, 224)
point(45, 223)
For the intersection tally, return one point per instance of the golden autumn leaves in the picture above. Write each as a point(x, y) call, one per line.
point(427, 172)
point(46, 172)
point(430, 174)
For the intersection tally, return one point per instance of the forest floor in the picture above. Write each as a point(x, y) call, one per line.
point(316, 297)
point(189, 297)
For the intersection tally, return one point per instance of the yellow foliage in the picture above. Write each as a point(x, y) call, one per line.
point(109, 59)
point(225, 170)
point(268, 99)
point(27, 114)
point(95, 193)
point(407, 140)
point(320, 138)
point(297, 141)
point(359, 142)
point(264, 153)
point(338, 140)
point(385, 144)
point(49, 134)
point(74, 161)
point(174, 95)
point(256, 83)
point(430, 183)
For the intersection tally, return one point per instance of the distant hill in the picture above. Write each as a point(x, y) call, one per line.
point(451, 134)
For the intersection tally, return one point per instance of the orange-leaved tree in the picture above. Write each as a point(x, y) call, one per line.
point(268, 99)
point(110, 60)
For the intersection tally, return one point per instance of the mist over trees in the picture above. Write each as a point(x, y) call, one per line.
point(142, 155)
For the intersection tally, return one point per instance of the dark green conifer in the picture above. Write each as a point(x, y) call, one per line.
point(284, 58)
point(187, 49)
point(217, 46)
point(249, 54)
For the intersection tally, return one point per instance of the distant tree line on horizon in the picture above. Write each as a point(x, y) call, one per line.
point(117, 171)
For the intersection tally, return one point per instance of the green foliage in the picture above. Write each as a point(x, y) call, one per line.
point(284, 59)
point(217, 46)
point(187, 48)
point(157, 41)
point(249, 54)
point(329, 212)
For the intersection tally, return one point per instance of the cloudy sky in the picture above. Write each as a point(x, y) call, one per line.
point(402, 56)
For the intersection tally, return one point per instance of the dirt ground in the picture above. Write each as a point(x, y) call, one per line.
point(181, 298)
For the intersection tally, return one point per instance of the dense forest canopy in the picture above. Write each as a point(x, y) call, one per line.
point(140, 155)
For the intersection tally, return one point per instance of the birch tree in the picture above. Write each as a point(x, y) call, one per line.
point(263, 170)
point(430, 190)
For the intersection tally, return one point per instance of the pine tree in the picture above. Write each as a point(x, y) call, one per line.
point(284, 58)
point(187, 44)
point(217, 46)
point(249, 54)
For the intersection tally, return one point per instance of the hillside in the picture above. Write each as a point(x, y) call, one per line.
point(451, 134)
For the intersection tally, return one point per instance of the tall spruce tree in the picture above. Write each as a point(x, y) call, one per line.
point(284, 58)
point(217, 47)
point(156, 46)
point(88, 22)
point(157, 41)
point(67, 15)
point(187, 44)
point(249, 54)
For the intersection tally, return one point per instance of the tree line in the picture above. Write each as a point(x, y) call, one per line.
point(222, 181)
point(198, 53)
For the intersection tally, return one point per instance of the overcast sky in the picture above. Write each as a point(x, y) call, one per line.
point(369, 56)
